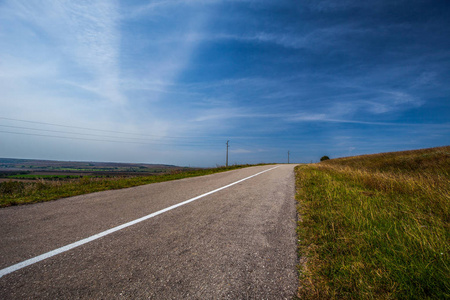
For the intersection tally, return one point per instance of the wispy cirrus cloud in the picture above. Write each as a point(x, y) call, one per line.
point(299, 117)
point(80, 38)
point(168, 52)
point(159, 7)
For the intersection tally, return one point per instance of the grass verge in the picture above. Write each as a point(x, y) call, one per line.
point(47, 177)
point(17, 193)
point(375, 226)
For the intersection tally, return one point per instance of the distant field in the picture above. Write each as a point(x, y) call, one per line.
point(26, 170)
point(14, 192)
point(375, 226)
point(31, 165)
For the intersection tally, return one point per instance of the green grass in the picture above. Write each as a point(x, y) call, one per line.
point(17, 193)
point(376, 227)
point(32, 176)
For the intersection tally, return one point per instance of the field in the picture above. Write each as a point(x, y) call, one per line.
point(42, 181)
point(29, 169)
point(375, 226)
point(44, 176)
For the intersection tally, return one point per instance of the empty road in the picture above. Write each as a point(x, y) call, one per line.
point(238, 242)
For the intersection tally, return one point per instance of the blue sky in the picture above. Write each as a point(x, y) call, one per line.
point(172, 81)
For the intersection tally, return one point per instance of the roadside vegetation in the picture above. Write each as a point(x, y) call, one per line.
point(47, 177)
point(19, 192)
point(375, 226)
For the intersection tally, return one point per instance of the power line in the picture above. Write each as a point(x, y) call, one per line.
point(97, 140)
point(84, 128)
point(66, 137)
point(98, 135)
point(250, 141)
point(110, 131)
point(246, 138)
point(59, 131)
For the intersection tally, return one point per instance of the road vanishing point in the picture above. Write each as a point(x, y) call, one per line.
point(229, 235)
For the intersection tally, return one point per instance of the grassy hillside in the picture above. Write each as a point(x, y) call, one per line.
point(376, 226)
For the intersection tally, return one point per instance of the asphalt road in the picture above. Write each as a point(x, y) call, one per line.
point(237, 243)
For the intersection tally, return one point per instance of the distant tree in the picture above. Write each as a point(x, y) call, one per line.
point(324, 158)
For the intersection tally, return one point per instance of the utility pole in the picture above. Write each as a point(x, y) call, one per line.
point(227, 152)
point(288, 156)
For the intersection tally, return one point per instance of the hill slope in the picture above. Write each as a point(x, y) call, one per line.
point(431, 160)
point(376, 226)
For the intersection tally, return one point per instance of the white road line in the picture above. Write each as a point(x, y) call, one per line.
point(41, 257)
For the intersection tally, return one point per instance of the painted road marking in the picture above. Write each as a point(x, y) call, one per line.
point(41, 257)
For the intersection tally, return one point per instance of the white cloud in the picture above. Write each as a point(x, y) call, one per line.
point(241, 151)
point(316, 39)
point(79, 37)
point(304, 117)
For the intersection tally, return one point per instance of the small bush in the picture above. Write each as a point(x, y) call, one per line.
point(324, 158)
